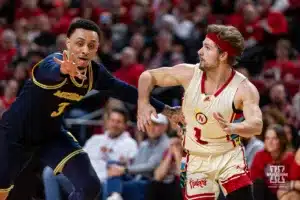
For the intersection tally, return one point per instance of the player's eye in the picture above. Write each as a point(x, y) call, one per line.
point(91, 46)
point(80, 44)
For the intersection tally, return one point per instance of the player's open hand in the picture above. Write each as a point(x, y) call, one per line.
point(224, 124)
point(145, 110)
point(68, 66)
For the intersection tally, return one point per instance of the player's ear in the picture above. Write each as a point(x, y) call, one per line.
point(68, 43)
point(223, 56)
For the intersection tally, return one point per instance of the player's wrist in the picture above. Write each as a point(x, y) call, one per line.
point(144, 100)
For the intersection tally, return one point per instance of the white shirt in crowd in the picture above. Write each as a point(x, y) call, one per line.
point(102, 148)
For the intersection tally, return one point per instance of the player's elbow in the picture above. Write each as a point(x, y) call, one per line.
point(145, 77)
point(259, 126)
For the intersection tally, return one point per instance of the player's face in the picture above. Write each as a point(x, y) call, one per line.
point(272, 143)
point(208, 55)
point(84, 45)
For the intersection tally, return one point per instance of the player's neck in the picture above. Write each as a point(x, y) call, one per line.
point(219, 75)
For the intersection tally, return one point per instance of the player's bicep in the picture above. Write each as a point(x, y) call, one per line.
point(169, 76)
point(250, 98)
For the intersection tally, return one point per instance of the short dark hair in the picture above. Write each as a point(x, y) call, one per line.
point(84, 24)
point(120, 111)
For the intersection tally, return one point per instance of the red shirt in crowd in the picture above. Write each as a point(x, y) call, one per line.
point(285, 67)
point(6, 57)
point(130, 74)
point(27, 13)
point(274, 173)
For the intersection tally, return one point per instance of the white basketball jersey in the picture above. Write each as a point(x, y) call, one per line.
point(203, 133)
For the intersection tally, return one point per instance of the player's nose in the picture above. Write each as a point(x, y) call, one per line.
point(85, 50)
point(200, 52)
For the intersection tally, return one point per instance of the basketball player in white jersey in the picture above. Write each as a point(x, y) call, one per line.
point(220, 105)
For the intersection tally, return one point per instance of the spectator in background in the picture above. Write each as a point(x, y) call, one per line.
point(279, 100)
point(131, 181)
point(8, 49)
point(166, 176)
point(291, 189)
point(252, 146)
point(251, 30)
point(60, 43)
point(283, 64)
point(21, 74)
point(28, 10)
point(115, 144)
point(130, 69)
point(162, 55)
point(272, 21)
point(265, 163)
point(137, 42)
point(296, 107)
point(10, 92)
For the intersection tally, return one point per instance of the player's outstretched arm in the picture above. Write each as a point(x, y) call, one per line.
point(180, 74)
point(121, 90)
point(163, 77)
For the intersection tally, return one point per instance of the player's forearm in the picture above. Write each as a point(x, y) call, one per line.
point(248, 128)
point(129, 94)
point(145, 86)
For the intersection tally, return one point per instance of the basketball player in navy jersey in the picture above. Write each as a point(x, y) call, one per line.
point(33, 124)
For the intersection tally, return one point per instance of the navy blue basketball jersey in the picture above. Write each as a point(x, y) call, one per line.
point(37, 113)
point(38, 110)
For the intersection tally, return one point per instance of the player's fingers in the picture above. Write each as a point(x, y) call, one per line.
point(221, 116)
point(141, 124)
point(58, 61)
point(215, 115)
point(227, 129)
point(65, 57)
point(154, 113)
point(72, 57)
point(148, 119)
point(80, 76)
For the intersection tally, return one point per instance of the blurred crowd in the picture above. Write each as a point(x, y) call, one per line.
point(146, 34)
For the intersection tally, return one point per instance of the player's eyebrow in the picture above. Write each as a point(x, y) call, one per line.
point(81, 38)
point(206, 44)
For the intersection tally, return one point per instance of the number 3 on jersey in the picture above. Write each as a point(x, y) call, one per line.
point(60, 110)
point(198, 136)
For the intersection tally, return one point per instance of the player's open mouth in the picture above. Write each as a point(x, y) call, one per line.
point(83, 61)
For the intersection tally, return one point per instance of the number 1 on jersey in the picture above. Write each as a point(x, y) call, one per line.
point(198, 136)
